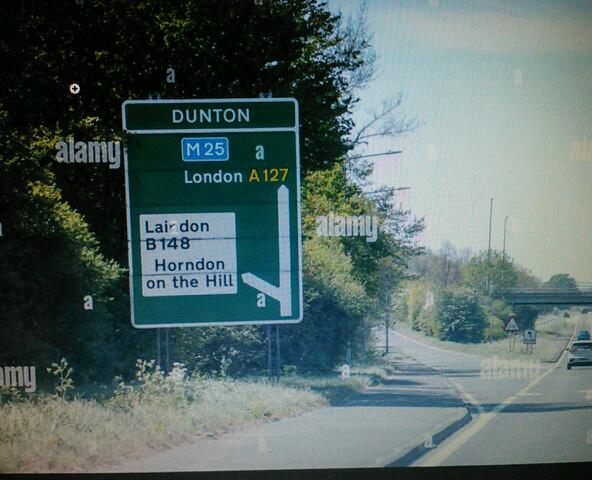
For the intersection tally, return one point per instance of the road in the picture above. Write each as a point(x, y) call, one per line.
point(371, 429)
point(440, 408)
point(546, 417)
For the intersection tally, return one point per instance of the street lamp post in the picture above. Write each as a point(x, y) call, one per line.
point(390, 152)
point(386, 321)
point(504, 244)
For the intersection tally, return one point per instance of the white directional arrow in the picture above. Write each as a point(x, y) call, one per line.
point(283, 292)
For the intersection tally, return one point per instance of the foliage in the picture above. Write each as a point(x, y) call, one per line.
point(525, 316)
point(154, 411)
point(76, 216)
point(416, 297)
point(494, 330)
point(63, 373)
point(52, 261)
point(442, 268)
point(375, 264)
point(458, 317)
point(222, 49)
point(561, 281)
point(490, 274)
point(336, 306)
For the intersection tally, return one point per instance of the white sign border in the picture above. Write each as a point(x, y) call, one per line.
point(295, 129)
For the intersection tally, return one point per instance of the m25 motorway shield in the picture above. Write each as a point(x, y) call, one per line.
point(213, 212)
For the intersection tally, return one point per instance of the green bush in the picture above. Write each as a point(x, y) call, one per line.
point(458, 317)
point(416, 296)
point(501, 310)
point(425, 322)
point(495, 329)
point(526, 316)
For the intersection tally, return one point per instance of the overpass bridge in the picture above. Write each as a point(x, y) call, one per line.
point(582, 295)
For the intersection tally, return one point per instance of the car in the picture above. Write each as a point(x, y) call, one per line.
point(583, 335)
point(580, 353)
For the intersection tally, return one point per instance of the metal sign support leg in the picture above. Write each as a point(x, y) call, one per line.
point(268, 335)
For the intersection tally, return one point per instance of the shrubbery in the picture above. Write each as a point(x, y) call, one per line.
point(458, 317)
point(416, 296)
point(494, 330)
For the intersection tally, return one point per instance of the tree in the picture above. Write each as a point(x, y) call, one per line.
point(442, 268)
point(458, 317)
point(563, 282)
point(377, 268)
point(490, 274)
point(218, 49)
point(336, 309)
point(222, 49)
point(52, 262)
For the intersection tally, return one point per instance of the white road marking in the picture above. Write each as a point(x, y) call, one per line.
point(432, 347)
point(448, 448)
point(467, 397)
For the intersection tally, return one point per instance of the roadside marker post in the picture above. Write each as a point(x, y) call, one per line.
point(213, 212)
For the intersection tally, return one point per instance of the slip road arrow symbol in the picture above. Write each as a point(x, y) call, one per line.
point(281, 293)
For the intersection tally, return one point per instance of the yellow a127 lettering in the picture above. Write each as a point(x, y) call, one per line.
point(268, 175)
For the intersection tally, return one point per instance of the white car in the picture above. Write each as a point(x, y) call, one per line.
point(580, 353)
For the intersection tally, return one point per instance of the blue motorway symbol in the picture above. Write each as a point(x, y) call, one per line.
point(204, 149)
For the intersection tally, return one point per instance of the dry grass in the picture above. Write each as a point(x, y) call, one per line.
point(46, 433)
point(50, 434)
point(335, 388)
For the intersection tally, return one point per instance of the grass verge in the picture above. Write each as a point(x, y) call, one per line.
point(336, 389)
point(552, 334)
point(48, 433)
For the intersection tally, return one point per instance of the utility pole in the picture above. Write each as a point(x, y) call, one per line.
point(504, 249)
point(504, 245)
point(490, 217)
point(390, 152)
point(489, 245)
point(386, 321)
point(489, 264)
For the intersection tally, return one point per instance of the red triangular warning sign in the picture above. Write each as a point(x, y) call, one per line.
point(512, 326)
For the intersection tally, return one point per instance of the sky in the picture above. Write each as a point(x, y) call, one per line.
point(502, 93)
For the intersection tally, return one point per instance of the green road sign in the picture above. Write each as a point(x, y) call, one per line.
point(213, 212)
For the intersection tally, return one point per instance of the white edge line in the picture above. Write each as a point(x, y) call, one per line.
point(482, 420)
point(432, 347)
